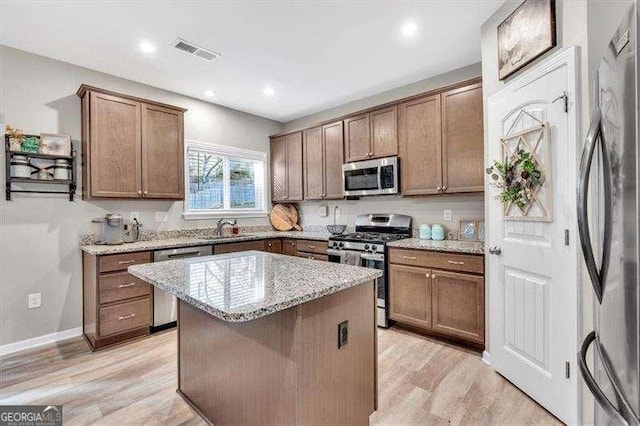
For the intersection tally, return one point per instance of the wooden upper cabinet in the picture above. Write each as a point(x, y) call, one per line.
point(113, 161)
point(357, 138)
point(162, 152)
point(333, 142)
point(419, 131)
point(313, 164)
point(278, 169)
point(131, 147)
point(286, 168)
point(384, 132)
point(371, 135)
point(463, 140)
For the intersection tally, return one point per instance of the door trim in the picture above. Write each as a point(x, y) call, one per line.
point(569, 58)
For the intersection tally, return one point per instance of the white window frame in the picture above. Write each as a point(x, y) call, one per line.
point(234, 153)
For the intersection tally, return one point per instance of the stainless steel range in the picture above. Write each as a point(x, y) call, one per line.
point(367, 247)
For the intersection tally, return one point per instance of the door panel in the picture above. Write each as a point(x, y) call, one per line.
point(162, 153)
point(357, 138)
point(384, 132)
point(420, 146)
point(273, 245)
point(289, 247)
point(458, 304)
point(278, 169)
point(410, 295)
point(313, 164)
point(463, 140)
point(294, 167)
point(116, 153)
point(333, 140)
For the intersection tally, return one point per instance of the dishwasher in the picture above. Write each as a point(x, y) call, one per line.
point(165, 305)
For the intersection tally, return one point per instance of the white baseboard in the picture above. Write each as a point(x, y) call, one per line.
point(34, 342)
point(486, 357)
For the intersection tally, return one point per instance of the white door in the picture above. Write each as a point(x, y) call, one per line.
point(533, 276)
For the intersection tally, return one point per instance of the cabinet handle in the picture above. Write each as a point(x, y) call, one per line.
point(126, 317)
point(312, 247)
point(311, 257)
point(145, 192)
point(439, 189)
point(444, 189)
point(433, 276)
point(409, 257)
point(453, 262)
point(139, 192)
point(125, 262)
point(269, 244)
point(126, 285)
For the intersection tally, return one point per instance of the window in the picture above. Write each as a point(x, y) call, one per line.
point(224, 181)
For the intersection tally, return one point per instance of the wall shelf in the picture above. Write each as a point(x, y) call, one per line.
point(70, 183)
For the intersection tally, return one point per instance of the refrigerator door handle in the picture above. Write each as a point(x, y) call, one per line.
point(591, 383)
point(595, 132)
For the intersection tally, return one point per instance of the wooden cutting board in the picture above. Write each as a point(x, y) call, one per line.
point(284, 217)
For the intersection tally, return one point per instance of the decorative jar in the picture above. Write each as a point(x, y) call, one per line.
point(61, 170)
point(437, 232)
point(20, 166)
point(425, 232)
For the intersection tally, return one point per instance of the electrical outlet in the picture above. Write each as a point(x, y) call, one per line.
point(343, 334)
point(34, 300)
point(447, 215)
point(162, 217)
point(134, 215)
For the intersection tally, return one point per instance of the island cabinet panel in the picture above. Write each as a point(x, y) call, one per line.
point(284, 368)
point(162, 152)
point(290, 247)
point(131, 147)
point(458, 301)
point(242, 246)
point(463, 139)
point(420, 145)
point(438, 293)
point(410, 295)
point(273, 245)
point(286, 168)
point(117, 306)
point(357, 138)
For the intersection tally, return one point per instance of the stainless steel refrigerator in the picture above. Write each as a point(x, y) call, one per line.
point(610, 164)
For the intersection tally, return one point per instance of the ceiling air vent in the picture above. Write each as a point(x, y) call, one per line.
point(192, 49)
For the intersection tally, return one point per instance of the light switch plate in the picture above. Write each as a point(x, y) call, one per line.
point(34, 300)
point(323, 210)
point(162, 217)
point(447, 215)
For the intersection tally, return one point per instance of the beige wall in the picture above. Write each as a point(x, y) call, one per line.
point(39, 240)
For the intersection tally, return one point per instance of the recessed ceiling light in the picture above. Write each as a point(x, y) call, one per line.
point(146, 47)
point(409, 29)
point(268, 91)
point(209, 92)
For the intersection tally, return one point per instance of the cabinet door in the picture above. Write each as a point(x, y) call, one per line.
point(278, 169)
point(115, 157)
point(162, 153)
point(333, 141)
point(273, 245)
point(289, 247)
point(420, 146)
point(410, 295)
point(357, 138)
point(294, 167)
point(384, 132)
point(313, 164)
point(458, 304)
point(463, 140)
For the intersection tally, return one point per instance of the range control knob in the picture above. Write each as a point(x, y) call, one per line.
point(366, 246)
point(341, 245)
point(373, 248)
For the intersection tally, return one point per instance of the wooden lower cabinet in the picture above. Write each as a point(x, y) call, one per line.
point(242, 246)
point(116, 305)
point(448, 303)
point(274, 245)
point(289, 247)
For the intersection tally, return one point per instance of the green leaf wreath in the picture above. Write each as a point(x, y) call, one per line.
point(519, 178)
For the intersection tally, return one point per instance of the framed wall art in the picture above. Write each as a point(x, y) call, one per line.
point(55, 144)
point(526, 34)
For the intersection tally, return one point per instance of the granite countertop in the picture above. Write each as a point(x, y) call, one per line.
point(452, 246)
point(238, 287)
point(186, 241)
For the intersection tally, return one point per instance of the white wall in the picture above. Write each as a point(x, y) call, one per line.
point(39, 234)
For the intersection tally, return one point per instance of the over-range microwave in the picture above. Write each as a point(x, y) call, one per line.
point(371, 177)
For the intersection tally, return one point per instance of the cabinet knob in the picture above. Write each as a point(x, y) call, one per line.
point(145, 192)
point(139, 192)
point(433, 276)
point(444, 189)
point(439, 189)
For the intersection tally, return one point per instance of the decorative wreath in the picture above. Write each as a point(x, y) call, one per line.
point(519, 178)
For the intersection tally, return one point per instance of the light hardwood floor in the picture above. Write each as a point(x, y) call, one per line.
point(422, 382)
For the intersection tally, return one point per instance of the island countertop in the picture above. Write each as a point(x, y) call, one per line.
point(244, 286)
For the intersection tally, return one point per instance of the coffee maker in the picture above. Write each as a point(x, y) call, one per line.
point(109, 229)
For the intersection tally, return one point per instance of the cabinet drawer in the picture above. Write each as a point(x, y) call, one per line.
point(125, 316)
point(319, 247)
point(120, 262)
point(236, 247)
point(313, 256)
point(121, 286)
point(430, 259)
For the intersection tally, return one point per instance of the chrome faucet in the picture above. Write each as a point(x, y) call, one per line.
point(221, 223)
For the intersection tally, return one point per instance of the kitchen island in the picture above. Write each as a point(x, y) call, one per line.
point(271, 339)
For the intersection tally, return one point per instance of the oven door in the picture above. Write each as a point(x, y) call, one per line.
point(376, 261)
point(372, 177)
